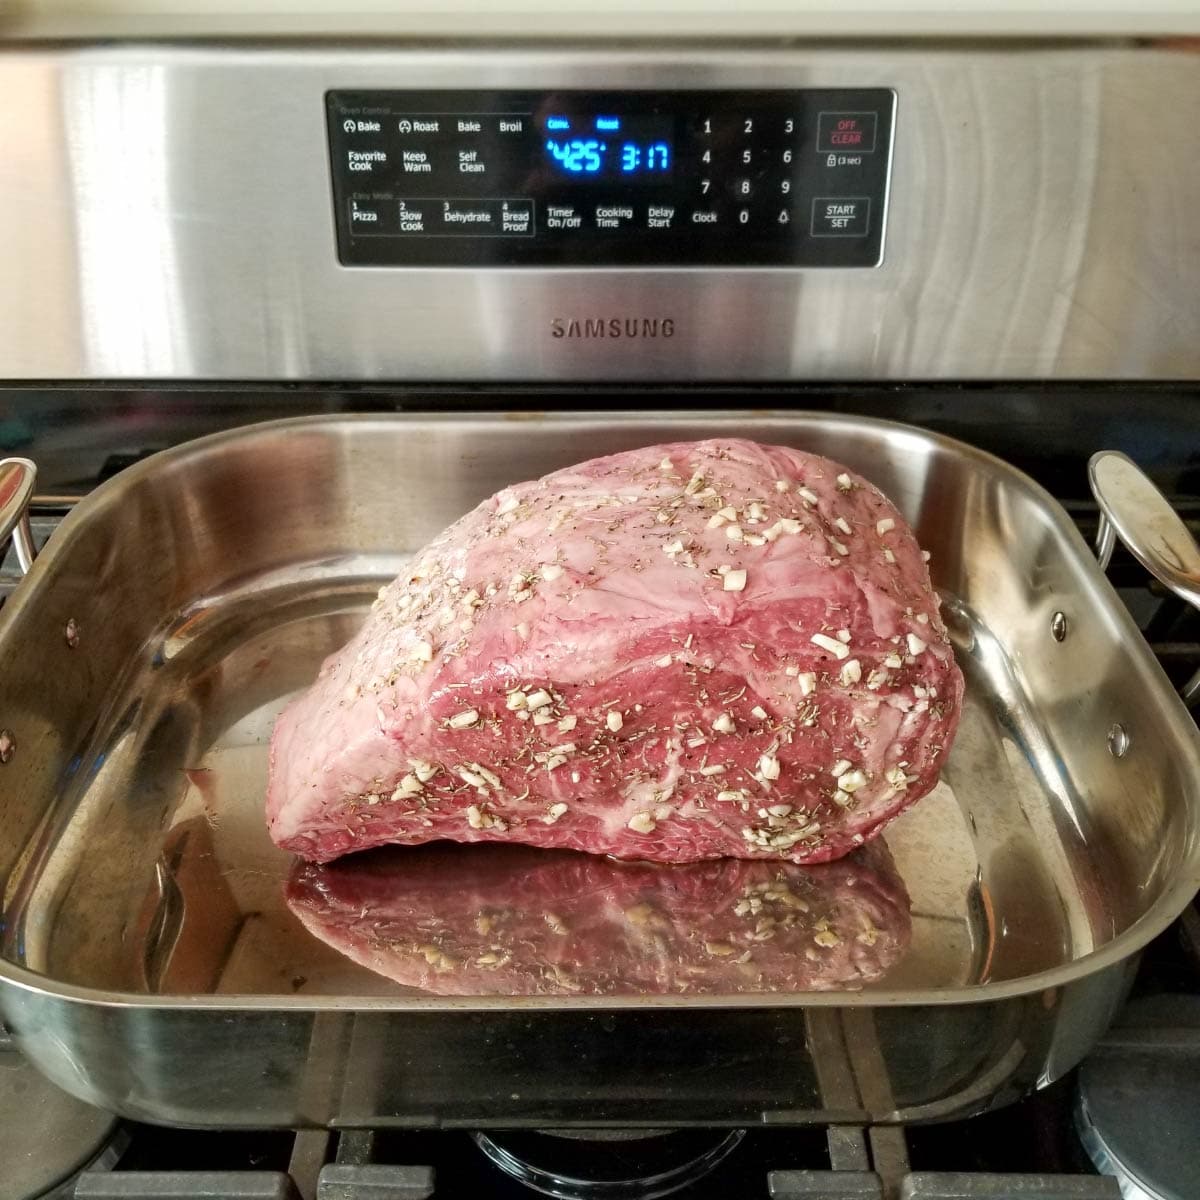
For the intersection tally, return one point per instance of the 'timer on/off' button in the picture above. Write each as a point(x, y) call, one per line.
point(841, 216)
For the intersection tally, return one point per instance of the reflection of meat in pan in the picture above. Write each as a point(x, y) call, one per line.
point(510, 920)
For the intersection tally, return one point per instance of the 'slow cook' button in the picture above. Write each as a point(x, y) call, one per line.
point(840, 131)
point(841, 216)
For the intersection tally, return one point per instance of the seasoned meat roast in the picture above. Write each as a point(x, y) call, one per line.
point(682, 652)
point(515, 921)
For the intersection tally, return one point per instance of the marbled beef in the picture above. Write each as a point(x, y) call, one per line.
point(676, 653)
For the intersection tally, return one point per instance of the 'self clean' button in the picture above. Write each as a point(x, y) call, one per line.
point(841, 216)
point(846, 131)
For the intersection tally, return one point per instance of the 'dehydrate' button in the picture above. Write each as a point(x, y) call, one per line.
point(841, 216)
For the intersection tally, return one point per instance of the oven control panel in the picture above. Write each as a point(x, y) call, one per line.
point(611, 179)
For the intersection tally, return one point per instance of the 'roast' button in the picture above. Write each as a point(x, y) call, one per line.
point(841, 216)
point(846, 131)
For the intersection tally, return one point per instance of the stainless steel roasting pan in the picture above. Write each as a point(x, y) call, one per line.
point(148, 962)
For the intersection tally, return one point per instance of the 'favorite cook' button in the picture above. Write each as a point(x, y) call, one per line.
point(841, 216)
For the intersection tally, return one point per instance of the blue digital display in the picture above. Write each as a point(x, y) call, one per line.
point(634, 148)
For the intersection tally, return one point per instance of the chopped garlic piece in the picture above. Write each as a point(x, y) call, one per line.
point(410, 785)
point(884, 526)
point(808, 682)
point(768, 766)
point(422, 652)
point(509, 504)
point(888, 556)
point(843, 525)
point(851, 781)
point(893, 662)
point(840, 547)
point(567, 724)
point(554, 812)
point(551, 571)
point(666, 464)
point(759, 712)
point(670, 549)
point(735, 581)
point(733, 533)
point(642, 822)
point(781, 485)
point(844, 482)
point(463, 719)
point(734, 796)
point(840, 767)
point(424, 771)
point(614, 720)
point(665, 661)
point(712, 769)
point(851, 672)
point(515, 699)
point(915, 645)
point(807, 495)
point(836, 648)
point(724, 723)
point(538, 699)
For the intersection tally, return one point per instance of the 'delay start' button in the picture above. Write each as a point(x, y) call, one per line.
point(846, 131)
point(841, 216)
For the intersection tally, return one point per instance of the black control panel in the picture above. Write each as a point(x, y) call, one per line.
point(611, 179)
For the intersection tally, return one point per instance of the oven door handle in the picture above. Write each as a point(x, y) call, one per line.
point(1134, 510)
point(17, 477)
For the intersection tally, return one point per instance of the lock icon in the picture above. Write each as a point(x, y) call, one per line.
point(831, 161)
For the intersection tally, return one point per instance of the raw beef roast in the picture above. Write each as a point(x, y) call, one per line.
point(677, 653)
point(514, 921)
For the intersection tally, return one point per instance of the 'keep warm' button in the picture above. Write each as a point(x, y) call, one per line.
point(841, 216)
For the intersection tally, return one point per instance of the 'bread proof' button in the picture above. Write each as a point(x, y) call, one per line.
point(841, 216)
point(843, 131)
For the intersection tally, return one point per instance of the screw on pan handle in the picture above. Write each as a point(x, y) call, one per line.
point(1135, 511)
point(17, 477)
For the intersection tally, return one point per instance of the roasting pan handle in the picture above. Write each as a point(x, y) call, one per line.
point(1134, 510)
point(17, 477)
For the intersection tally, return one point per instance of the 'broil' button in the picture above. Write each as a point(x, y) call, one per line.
point(841, 216)
point(846, 131)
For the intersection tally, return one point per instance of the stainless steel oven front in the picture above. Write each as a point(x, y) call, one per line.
point(816, 212)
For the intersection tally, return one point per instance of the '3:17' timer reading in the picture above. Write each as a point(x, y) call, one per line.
point(609, 147)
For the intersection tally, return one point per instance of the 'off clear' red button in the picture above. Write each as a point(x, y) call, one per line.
point(846, 132)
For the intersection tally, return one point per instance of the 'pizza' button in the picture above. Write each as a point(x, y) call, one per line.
point(841, 216)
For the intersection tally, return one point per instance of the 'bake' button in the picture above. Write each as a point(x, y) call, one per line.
point(841, 216)
point(846, 131)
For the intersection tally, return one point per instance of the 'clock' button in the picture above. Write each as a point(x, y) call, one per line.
point(841, 131)
point(841, 216)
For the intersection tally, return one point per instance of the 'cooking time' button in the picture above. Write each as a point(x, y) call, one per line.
point(841, 216)
point(842, 131)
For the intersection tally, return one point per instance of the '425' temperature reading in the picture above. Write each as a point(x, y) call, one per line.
point(586, 156)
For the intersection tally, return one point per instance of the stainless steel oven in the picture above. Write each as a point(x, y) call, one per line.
point(475, 243)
